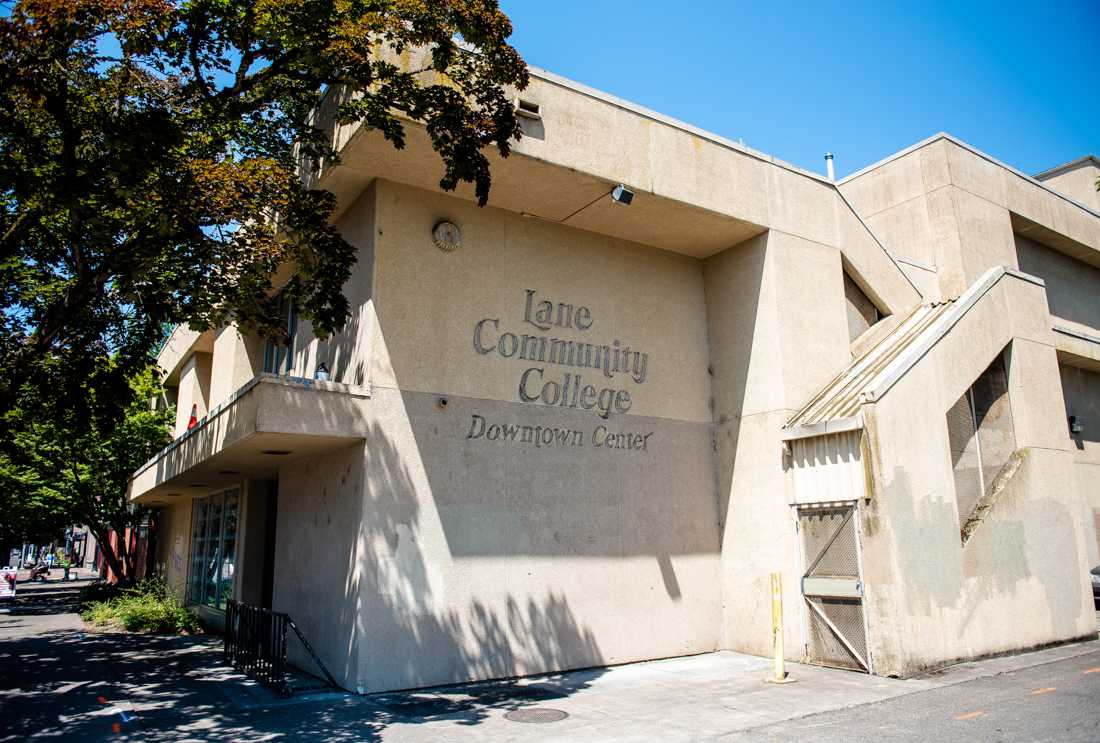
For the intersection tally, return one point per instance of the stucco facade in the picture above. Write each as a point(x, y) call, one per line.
point(579, 437)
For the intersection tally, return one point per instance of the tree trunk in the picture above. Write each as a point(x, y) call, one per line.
point(123, 578)
point(128, 555)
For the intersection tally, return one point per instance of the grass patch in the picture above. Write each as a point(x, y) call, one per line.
point(147, 607)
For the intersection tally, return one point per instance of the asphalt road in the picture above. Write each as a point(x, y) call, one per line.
point(1057, 701)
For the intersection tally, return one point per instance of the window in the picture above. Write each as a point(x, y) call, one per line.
point(213, 550)
point(982, 440)
point(279, 353)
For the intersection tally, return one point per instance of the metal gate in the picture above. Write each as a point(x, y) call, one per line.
point(832, 587)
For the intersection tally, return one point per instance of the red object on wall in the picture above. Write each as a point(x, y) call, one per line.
point(194, 420)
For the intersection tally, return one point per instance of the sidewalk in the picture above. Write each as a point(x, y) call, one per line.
point(59, 680)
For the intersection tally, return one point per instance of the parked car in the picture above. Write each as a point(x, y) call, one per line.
point(1096, 585)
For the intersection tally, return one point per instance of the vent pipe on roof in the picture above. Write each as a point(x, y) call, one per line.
point(829, 166)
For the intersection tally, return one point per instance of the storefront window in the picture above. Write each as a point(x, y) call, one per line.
point(213, 550)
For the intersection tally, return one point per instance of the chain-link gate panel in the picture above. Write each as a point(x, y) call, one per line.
point(832, 589)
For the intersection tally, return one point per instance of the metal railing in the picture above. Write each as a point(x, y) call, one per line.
point(255, 644)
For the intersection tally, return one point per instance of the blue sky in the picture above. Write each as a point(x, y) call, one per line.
point(1018, 80)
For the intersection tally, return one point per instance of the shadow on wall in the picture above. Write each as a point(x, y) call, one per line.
point(1071, 284)
point(351, 571)
point(430, 641)
point(1081, 391)
point(733, 302)
point(338, 351)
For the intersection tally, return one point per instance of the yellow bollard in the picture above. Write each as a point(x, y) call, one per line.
point(780, 674)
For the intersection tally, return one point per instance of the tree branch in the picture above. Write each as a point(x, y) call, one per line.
point(14, 230)
point(197, 30)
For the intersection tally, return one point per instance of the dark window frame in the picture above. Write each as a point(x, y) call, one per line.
point(278, 356)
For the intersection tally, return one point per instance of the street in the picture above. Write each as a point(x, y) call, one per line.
point(59, 679)
point(1057, 701)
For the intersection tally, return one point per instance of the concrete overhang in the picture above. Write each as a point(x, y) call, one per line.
point(1088, 161)
point(270, 422)
point(1055, 240)
point(545, 191)
point(1076, 344)
point(695, 193)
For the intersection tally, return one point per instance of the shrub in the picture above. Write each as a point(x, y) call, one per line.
point(148, 607)
point(97, 591)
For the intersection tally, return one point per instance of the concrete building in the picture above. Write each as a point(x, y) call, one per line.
point(571, 430)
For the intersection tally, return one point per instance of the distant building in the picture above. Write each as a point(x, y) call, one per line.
point(576, 428)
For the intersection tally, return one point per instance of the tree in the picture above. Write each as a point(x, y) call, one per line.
point(65, 469)
point(155, 163)
point(153, 154)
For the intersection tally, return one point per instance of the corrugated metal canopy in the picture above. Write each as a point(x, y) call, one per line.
point(840, 398)
point(837, 407)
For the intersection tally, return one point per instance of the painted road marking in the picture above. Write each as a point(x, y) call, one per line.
point(970, 715)
point(1044, 690)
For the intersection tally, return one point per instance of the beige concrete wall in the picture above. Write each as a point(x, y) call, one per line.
point(174, 545)
point(1073, 286)
point(870, 264)
point(179, 346)
point(235, 361)
point(948, 206)
point(461, 545)
point(194, 390)
point(347, 354)
point(1020, 580)
point(531, 558)
point(934, 206)
point(456, 542)
point(1079, 183)
point(583, 535)
point(768, 357)
point(319, 561)
point(897, 200)
point(492, 559)
point(429, 304)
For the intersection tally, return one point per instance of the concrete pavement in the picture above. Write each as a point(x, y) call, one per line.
point(56, 679)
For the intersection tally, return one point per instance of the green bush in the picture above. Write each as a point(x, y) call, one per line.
point(148, 607)
point(98, 591)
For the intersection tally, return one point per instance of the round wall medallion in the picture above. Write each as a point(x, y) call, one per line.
point(446, 236)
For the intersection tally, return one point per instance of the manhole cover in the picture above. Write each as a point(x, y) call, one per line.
point(536, 714)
